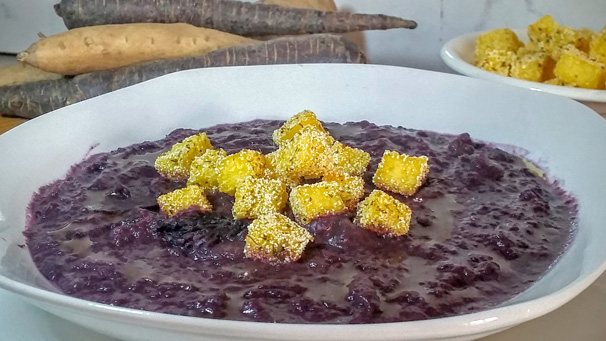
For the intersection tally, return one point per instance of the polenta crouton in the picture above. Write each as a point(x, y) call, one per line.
point(597, 47)
point(306, 155)
point(273, 238)
point(502, 39)
point(175, 163)
point(182, 199)
point(295, 124)
point(535, 67)
point(497, 61)
point(401, 173)
point(236, 167)
point(204, 171)
point(348, 160)
point(256, 197)
point(350, 188)
point(309, 202)
point(578, 70)
point(383, 214)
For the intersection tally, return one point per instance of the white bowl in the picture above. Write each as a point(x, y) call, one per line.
point(458, 54)
point(43, 149)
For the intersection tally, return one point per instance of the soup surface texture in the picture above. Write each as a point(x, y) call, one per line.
point(485, 227)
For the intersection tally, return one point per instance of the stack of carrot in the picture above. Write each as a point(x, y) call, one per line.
point(117, 43)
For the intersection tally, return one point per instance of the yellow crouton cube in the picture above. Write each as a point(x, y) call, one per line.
point(546, 35)
point(271, 162)
point(191, 197)
point(348, 160)
point(257, 196)
point(204, 171)
point(402, 174)
point(502, 39)
point(273, 238)
point(531, 67)
point(497, 61)
point(306, 155)
point(575, 68)
point(237, 167)
point(383, 214)
point(597, 47)
point(350, 188)
point(295, 124)
point(556, 81)
point(175, 163)
point(309, 202)
point(542, 29)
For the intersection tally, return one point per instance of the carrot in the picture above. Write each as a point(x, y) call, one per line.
point(106, 47)
point(241, 18)
point(321, 5)
point(34, 99)
point(20, 73)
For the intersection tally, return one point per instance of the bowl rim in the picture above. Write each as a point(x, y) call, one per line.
point(451, 56)
point(460, 325)
point(466, 324)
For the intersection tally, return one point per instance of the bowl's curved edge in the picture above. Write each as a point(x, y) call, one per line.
point(480, 322)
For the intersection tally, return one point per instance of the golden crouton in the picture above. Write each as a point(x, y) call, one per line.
point(273, 238)
point(182, 199)
point(542, 29)
point(348, 160)
point(502, 39)
point(309, 202)
point(383, 214)
point(575, 68)
point(545, 34)
point(532, 67)
point(271, 162)
point(597, 47)
point(497, 61)
point(295, 124)
point(306, 155)
point(256, 197)
point(236, 167)
point(204, 171)
point(350, 188)
point(175, 163)
point(401, 173)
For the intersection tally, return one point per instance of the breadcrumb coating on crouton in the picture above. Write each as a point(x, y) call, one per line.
point(273, 238)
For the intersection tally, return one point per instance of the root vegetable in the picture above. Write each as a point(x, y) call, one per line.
point(241, 18)
point(34, 99)
point(321, 5)
point(107, 47)
point(20, 73)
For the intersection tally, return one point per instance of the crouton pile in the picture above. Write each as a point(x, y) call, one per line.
point(310, 172)
point(554, 54)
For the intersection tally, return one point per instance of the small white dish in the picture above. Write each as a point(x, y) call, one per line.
point(458, 54)
point(43, 149)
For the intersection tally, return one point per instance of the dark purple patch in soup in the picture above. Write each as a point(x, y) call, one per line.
point(484, 229)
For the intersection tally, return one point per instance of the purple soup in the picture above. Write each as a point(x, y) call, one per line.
point(484, 229)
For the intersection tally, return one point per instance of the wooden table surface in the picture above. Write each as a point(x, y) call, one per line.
point(7, 123)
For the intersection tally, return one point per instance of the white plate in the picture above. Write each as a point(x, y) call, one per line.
point(458, 54)
point(43, 149)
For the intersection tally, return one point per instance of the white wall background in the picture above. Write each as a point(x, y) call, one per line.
point(439, 21)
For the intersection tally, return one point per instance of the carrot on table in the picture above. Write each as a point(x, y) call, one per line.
point(34, 99)
point(322, 5)
point(237, 17)
point(105, 47)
